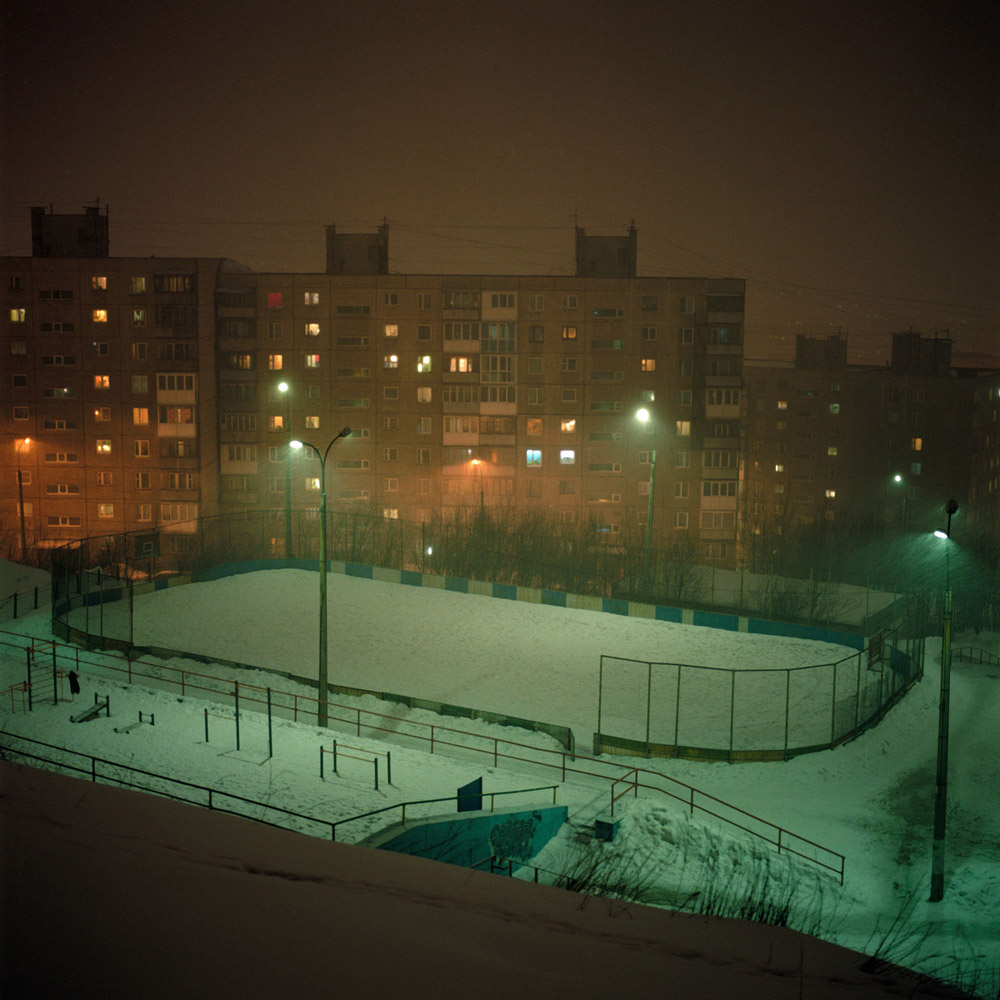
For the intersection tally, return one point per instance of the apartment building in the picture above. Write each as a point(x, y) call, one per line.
point(832, 441)
point(179, 384)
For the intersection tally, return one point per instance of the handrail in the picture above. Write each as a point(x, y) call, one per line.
point(973, 654)
point(539, 756)
point(213, 792)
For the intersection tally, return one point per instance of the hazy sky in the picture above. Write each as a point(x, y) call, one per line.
point(842, 156)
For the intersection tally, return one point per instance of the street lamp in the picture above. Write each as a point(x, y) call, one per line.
point(322, 716)
point(941, 789)
point(644, 417)
point(900, 481)
point(20, 494)
point(283, 388)
point(477, 464)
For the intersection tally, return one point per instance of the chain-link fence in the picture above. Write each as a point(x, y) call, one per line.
point(718, 713)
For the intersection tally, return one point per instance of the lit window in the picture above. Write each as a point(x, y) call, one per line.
point(312, 361)
point(648, 364)
point(683, 428)
point(102, 381)
point(782, 404)
point(103, 447)
point(567, 456)
point(390, 361)
point(312, 329)
point(917, 444)
point(534, 426)
point(137, 285)
point(569, 333)
point(102, 414)
point(312, 482)
point(310, 298)
point(274, 300)
point(392, 329)
point(834, 408)
point(276, 422)
point(832, 450)
point(105, 510)
point(275, 362)
point(779, 468)
point(312, 423)
point(533, 456)
point(100, 315)
point(423, 393)
point(18, 315)
point(99, 283)
point(830, 494)
point(424, 364)
point(567, 426)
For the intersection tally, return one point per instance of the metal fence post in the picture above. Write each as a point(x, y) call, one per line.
point(236, 700)
point(270, 742)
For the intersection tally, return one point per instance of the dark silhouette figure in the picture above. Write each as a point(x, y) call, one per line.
point(74, 682)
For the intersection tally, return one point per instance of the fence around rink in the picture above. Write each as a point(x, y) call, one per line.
point(661, 709)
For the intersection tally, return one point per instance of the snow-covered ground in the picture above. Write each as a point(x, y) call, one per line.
point(871, 800)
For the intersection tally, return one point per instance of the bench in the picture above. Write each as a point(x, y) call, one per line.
point(93, 711)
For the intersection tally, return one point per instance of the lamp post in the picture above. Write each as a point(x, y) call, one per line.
point(20, 493)
point(900, 481)
point(322, 714)
point(644, 417)
point(478, 465)
point(283, 388)
point(941, 789)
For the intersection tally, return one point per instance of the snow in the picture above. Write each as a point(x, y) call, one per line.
point(871, 800)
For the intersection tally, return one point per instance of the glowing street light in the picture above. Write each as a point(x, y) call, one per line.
point(645, 417)
point(322, 711)
point(20, 493)
point(283, 388)
point(941, 788)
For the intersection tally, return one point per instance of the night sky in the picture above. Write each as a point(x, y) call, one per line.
point(842, 156)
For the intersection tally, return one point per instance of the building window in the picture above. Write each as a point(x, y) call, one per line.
point(424, 364)
point(310, 298)
point(683, 428)
point(390, 392)
point(390, 299)
point(567, 364)
point(102, 414)
point(103, 447)
point(140, 449)
point(648, 364)
point(274, 300)
point(18, 316)
point(19, 381)
point(274, 331)
point(680, 518)
point(536, 396)
point(536, 334)
point(423, 425)
point(389, 454)
point(99, 315)
point(916, 444)
point(569, 301)
point(312, 482)
point(567, 456)
point(685, 335)
point(782, 404)
point(682, 459)
point(312, 423)
point(275, 422)
point(569, 333)
point(275, 362)
point(687, 304)
point(140, 383)
point(424, 300)
point(684, 368)
point(834, 408)
point(20, 413)
point(392, 329)
point(423, 394)
point(139, 352)
point(915, 468)
point(534, 426)
point(105, 510)
point(648, 303)
point(390, 361)
point(830, 494)
point(533, 456)
point(144, 512)
point(832, 450)
point(312, 361)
